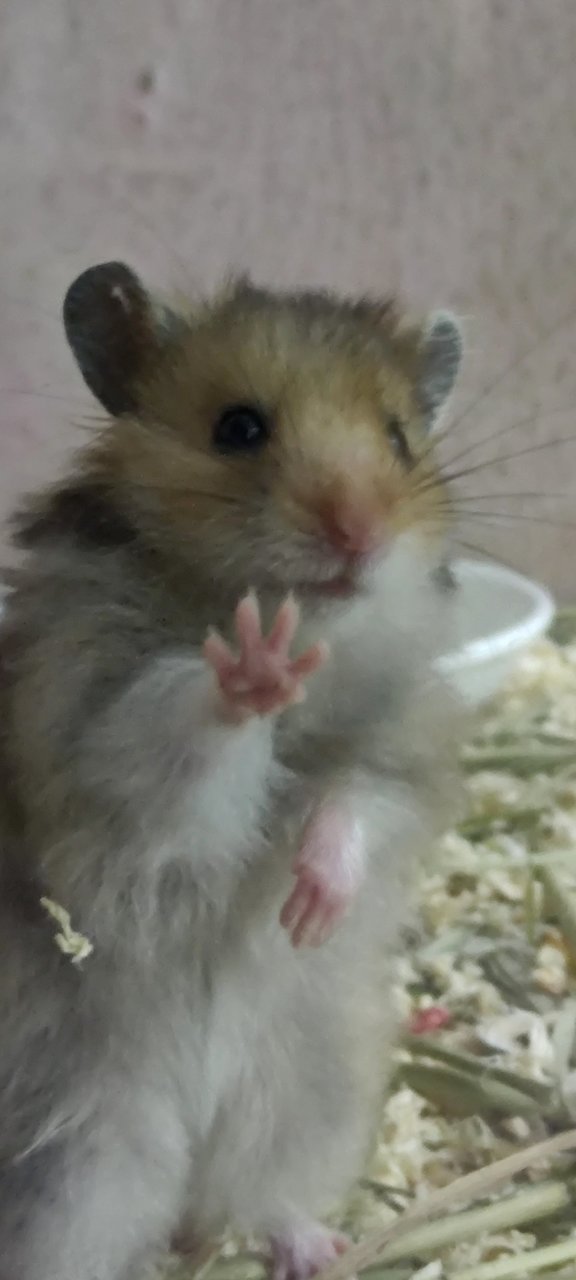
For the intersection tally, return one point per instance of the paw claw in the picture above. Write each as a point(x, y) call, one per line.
point(284, 627)
point(329, 870)
point(314, 908)
point(263, 679)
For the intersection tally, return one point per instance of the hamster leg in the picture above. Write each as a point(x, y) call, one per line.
point(89, 1208)
point(262, 678)
point(301, 1251)
point(329, 871)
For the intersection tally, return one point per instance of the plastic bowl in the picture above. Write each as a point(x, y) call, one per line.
point(499, 614)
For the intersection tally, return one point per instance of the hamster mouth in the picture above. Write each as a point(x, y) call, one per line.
point(344, 586)
point(348, 577)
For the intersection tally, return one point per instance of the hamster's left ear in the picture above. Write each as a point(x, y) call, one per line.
point(117, 332)
point(440, 357)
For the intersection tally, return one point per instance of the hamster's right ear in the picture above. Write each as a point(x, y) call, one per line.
point(115, 331)
point(440, 357)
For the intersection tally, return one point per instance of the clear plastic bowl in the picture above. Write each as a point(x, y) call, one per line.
point(499, 614)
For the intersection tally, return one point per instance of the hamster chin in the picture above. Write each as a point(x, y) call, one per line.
point(399, 595)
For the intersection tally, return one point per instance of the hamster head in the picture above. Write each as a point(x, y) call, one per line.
point(274, 440)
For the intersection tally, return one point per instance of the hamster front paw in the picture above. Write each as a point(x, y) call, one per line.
point(329, 871)
point(262, 678)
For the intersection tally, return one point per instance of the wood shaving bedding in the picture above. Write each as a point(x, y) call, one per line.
point(487, 989)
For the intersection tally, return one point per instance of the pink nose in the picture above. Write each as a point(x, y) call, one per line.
point(351, 530)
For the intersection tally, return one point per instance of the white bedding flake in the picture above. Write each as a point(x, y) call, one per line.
point(504, 1245)
point(432, 1271)
point(523, 1036)
point(494, 794)
point(69, 942)
point(488, 956)
point(550, 971)
point(489, 977)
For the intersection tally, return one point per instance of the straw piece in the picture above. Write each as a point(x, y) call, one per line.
point(526, 1206)
point(470, 1187)
point(561, 902)
point(540, 757)
point(429, 1047)
point(521, 1263)
point(458, 1093)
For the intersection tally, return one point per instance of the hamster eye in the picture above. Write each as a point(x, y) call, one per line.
point(240, 429)
point(397, 438)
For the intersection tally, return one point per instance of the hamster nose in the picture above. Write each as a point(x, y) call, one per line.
point(352, 528)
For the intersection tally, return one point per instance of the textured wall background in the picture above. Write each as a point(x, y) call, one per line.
point(422, 145)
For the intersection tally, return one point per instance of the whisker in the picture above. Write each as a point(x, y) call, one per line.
point(540, 497)
point(483, 551)
point(512, 517)
point(186, 491)
point(544, 339)
point(93, 427)
point(450, 476)
point(502, 432)
point(41, 395)
point(431, 483)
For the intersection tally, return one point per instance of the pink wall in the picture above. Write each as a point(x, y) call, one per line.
point(424, 145)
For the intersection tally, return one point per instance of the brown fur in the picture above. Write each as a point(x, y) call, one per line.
point(196, 1067)
point(330, 375)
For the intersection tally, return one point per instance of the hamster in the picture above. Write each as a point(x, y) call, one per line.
point(223, 749)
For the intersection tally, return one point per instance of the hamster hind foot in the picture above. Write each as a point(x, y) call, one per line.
point(329, 870)
point(303, 1251)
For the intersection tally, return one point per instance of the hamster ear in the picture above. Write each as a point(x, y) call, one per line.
point(115, 332)
point(440, 357)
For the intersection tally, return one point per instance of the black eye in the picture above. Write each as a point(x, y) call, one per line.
point(397, 438)
point(241, 429)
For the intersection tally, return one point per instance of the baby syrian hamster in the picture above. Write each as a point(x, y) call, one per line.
point(222, 739)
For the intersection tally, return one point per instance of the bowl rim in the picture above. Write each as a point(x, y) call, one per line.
point(540, 613)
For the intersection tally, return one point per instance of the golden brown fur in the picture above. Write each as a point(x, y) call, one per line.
point(197, 1067)
point(331, 378)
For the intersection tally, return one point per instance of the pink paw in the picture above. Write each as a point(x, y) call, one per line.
point(314, 909)
point(262, 678)
point(302, 1253)
point(329, 870)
